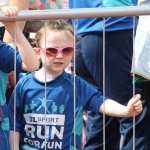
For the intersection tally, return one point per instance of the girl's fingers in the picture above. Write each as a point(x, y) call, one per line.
point(138, 103)
point(134, 99)
point(5, 10)
point(13, 12)
point(10, 11)
point(138, 107)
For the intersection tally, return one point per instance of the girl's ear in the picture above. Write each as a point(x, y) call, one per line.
point(37, 51)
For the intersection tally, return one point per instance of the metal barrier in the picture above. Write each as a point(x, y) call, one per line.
point(80, 13)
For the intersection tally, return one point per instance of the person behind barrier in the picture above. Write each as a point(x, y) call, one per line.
point(6, 37)
point(118, 79)
point(24, 59)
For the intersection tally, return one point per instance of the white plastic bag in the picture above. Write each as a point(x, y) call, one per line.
point(141, 59)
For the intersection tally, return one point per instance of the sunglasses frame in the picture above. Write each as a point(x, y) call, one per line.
point(59, 49)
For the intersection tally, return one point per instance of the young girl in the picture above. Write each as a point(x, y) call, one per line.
point(46, 120)
point(28, 57)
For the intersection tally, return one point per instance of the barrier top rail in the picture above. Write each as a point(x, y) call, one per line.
point(79, 13)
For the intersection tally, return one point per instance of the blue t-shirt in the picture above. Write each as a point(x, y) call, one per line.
point(87, 25)
point(58, 123)
point(6, 66)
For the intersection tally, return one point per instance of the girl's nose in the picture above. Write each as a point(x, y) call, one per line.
point(59, 54)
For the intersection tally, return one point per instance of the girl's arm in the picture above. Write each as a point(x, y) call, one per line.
point(14, 136)
point(21, 5)
point(113, 108)
point(30, 61)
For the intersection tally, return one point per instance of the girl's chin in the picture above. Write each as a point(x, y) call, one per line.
point(57, 71)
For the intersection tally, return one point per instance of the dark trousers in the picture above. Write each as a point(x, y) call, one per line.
point(118, 86)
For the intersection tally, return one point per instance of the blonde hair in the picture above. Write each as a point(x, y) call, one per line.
point(58, 25)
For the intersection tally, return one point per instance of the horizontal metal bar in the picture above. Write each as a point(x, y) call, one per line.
point(79, 13)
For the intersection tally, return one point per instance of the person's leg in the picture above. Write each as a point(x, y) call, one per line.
point(94, 133)
point(145, 89)
point(119, 50)
point(89, 67)
point(142, 132)
point(81, 68)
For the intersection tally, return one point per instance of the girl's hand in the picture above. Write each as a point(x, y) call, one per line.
point(134, 105)
point(11, 12)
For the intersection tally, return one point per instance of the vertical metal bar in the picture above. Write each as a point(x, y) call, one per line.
point(74, 84)
point(134, 22)
point(45, 95)
point(104, 83)
point(15, 86)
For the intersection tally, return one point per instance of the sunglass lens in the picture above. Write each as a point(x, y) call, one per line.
point(68, 51)
point(51, 51)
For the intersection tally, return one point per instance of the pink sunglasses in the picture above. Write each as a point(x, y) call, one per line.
point(52, 51)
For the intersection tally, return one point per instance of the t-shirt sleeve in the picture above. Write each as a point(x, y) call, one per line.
point(7, 59)
point(91, 99)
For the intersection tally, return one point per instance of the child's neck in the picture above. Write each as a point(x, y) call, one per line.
point(42, 73)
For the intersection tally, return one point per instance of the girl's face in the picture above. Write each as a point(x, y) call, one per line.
point(56, 39)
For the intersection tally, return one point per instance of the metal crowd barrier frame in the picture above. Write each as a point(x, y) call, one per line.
point(79, 13)
point(103, 12)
